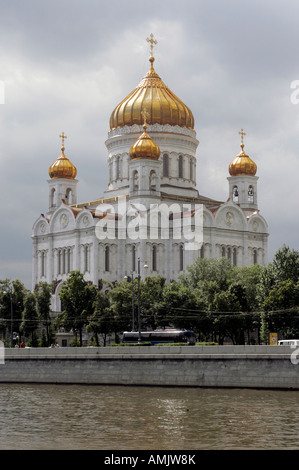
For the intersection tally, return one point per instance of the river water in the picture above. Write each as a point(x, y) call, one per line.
point(82, 417)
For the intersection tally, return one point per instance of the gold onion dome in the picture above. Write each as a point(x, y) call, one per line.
point(163, 106)
point(62, 167)
point(145, 147)
point(242, 164)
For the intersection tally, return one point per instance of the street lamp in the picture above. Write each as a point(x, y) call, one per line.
point(139, 300)
point(133, 301)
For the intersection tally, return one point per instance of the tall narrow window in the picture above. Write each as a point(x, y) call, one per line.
point(52, 197)
point(135, 181)
point(181, 254)
point(59, 256)
point(254, 256)
point(86, 260)
point(250, 195)
point(152, 180)
point(165, 165)
point(154, 256)
point(202, 251)
point(107, 258)
point(235, 256)
point(235, 194)
point(181, 166)
point(43, 263)
point(69, 260)
point(133, 258)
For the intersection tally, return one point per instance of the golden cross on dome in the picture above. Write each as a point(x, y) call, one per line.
point(62, 136)
point(242, 133)
point(152, 41)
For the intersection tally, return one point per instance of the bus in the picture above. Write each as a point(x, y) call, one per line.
point(160, 336)
point(289, 342)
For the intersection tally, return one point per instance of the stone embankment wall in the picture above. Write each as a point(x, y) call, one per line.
point(196, 366)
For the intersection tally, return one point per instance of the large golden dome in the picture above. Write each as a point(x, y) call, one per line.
point(152, 96)
point(145, 147)
point(242, 164)
point(62, 167)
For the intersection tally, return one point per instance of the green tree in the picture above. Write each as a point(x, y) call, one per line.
point(43, 296)
point(30, 321)
point(101, 321)
point(77, 298)
point(12, 295)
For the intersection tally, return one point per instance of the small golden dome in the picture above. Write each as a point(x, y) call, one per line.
point(145, 147)
point(242, 164)
point(63, 168)
point(152, 94)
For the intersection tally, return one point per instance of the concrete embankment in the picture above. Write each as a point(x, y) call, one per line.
point(197, 366)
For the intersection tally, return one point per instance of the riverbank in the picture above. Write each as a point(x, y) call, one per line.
point(257, 366)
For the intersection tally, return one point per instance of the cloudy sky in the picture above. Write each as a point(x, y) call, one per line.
point(65, 65)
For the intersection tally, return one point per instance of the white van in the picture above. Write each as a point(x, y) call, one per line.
point(289, 342)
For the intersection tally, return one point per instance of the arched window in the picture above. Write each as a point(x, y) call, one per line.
point(181, 254)
point(165, 165)
point(52, 202)
point(235, 194)
point(152, 180)
point(235, 256)
point(223, 252)
point(43, 259)
point(135, 181)
point(250, 195)
point(86, 258)
point(202, 251)
point(69, 196)
point(181, 166)
point(254, 256)
point(229, 253)
point(107, 258)
point(59, 256)
point(154, 258)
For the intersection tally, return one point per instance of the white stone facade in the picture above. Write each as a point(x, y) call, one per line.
point(71, 236)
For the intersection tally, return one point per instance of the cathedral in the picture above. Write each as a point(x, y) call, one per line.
point(151, 219)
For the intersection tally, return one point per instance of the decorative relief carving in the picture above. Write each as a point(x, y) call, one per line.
point(152, 128)
point(64, 221)
point(229, 218)
point(255, 225)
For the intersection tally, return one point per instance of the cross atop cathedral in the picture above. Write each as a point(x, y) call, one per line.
point(242, 133)
point(62, 136)
point(152, 41)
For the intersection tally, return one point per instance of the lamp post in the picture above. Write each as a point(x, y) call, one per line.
point(139, 300)
point(133, 302)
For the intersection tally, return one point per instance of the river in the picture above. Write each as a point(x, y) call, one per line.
point(82, 417)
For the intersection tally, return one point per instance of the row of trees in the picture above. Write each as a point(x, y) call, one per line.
point(214, 298)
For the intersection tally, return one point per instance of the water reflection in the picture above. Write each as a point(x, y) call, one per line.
point(105, 417)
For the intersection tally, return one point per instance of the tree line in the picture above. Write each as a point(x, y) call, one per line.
point(217, 300)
